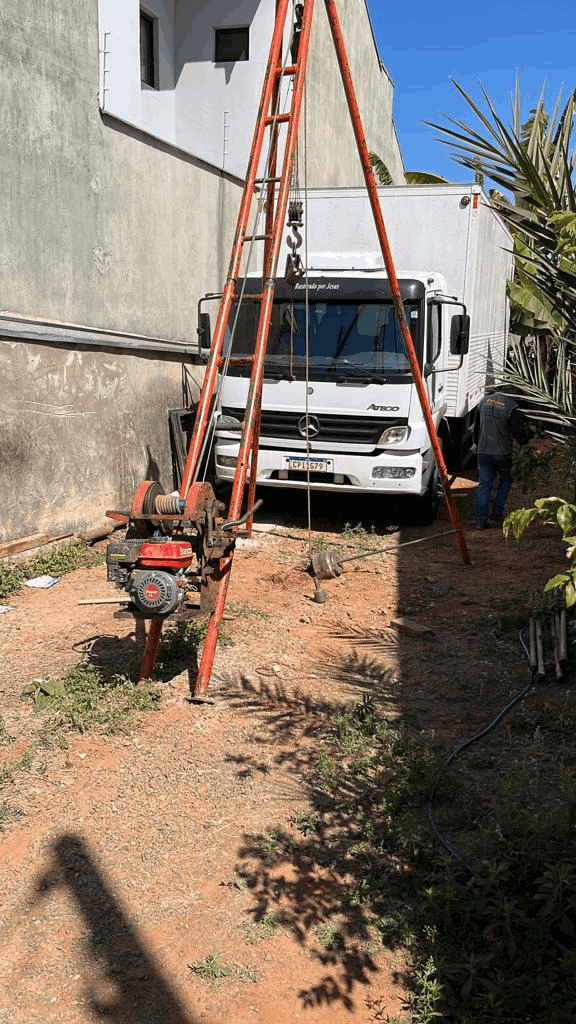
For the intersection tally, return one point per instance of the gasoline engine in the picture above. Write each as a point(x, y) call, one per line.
point(179, 548)
point(153, 572)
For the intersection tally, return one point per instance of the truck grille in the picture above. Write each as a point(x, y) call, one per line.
point(332, 428)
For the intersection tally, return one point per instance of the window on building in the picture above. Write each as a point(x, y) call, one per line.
point(148, 50)
point(231, 44)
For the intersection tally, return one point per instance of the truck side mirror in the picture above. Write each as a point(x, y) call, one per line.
point(459, 335)
point(204, 330)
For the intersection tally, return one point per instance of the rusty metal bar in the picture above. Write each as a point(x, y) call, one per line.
point(249, 442)
point(150, 650)
point(532, 643)
point(391, 272)
point(205, 404)
point(271, 169)
point(205, 408)
point(540, 649)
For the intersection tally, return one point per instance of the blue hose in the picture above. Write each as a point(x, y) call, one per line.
point(564, 950)
point(460, 750)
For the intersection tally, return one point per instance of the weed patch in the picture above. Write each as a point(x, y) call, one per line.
point(84, 701)
point(52, 562)
point(8, 814)
point(265, 928)
point(486, 907)
point(329, 936)
point(211, 969)
point(244, 611)
point(360, 534)
point(12, 768)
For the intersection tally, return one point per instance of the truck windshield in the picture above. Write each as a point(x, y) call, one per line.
point(345, 339)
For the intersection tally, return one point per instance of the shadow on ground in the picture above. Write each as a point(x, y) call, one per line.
point(116, 957)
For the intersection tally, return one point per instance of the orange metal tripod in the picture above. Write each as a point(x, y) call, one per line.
point(277, 193)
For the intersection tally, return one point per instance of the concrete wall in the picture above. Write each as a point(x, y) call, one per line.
point(100, 226)
point(103, 228)
point(80, 429)
point(332, 151)
point(110, 229)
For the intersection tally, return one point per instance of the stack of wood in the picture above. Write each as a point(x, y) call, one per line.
point(558, 635)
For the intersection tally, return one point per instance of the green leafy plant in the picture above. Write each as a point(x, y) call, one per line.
point(211, 969)
point(427, 995)
point(554, 512)
point(85, 700)
point(41, 690)
point(359, 533)
point(305, 822)
point(320, 544)
point(484, 929)
point(329, 936)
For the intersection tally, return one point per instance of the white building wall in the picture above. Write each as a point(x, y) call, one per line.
point(216, 104)
point(209, 109)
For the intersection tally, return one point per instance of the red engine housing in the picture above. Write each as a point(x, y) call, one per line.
point(172, 554)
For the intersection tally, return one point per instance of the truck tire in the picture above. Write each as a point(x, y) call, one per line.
point(426, 507)
point(429, 503)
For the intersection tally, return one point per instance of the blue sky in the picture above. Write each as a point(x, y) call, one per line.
point(424, 45)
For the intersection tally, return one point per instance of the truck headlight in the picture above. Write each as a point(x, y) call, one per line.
point(394, 435)
point(227, 423)
point(393, 472)
point(226, 460)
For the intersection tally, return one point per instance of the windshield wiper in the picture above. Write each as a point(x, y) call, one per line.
point(278, 375)
point(354, 370)
point(361, 378)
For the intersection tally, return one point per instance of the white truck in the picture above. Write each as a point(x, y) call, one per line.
point(340, 410)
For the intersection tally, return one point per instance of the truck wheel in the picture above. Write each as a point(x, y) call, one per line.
point(429, 503)
point(426, 507)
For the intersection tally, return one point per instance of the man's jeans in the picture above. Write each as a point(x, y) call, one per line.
point(492, 467)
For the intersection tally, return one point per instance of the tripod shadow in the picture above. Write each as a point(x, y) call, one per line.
point(110, 654)
point(139, 992)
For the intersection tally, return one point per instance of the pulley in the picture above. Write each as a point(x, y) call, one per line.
point(325, 565)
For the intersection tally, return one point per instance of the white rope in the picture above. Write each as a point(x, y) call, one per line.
point(306, 308)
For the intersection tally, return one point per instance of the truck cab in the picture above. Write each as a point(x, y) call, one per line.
point(339, 408)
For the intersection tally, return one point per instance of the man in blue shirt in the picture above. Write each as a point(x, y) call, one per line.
point(500, 424)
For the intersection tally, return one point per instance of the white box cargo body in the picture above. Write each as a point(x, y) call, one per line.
point(339, 408)
point(452, 230)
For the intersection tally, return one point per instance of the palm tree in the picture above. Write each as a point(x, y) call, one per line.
point(532, 162)
point(410, 177)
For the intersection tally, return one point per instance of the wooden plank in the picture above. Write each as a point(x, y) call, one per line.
point(13, 547)
point(409, 626)
point(36, 540)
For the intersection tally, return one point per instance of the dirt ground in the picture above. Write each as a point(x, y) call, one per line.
point(133, 856)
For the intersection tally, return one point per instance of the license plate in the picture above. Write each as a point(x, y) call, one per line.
point(314, 465)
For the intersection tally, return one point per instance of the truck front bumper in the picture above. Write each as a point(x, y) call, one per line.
point(388, 473)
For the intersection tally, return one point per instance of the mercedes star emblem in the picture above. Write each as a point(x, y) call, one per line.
point(309, 426)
